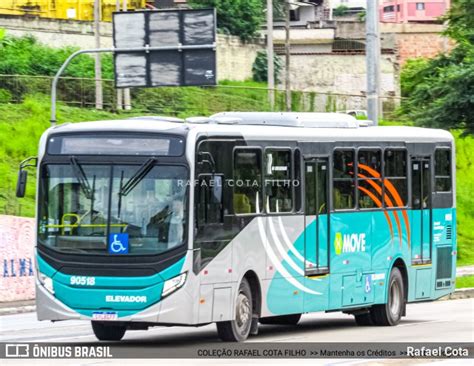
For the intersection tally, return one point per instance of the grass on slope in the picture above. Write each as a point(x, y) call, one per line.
point(466, 281)
point(21, 126)
point(465, 198)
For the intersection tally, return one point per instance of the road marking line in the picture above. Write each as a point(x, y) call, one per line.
point(427, 322)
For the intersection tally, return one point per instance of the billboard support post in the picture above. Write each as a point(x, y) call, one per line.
point(54, 85)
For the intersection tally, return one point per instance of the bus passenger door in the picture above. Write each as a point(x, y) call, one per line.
point(316, 217)
point(421, 203)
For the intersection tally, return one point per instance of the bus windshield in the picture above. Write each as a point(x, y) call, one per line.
point(112, 209)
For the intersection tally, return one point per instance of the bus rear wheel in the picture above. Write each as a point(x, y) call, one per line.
point(108, 331)
point(291, 319)
point(389, 314)
point(238, 330)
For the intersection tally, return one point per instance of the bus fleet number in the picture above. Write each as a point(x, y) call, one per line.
point(82, 280)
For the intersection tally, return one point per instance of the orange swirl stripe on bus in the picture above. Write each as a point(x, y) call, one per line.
point(389, 203)
point(379, 204)
point(397, 198)
point(399, 202)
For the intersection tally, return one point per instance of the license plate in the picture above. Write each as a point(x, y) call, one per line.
point(105, 315)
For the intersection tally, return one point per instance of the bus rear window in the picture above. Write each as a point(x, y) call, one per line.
point(116, 145)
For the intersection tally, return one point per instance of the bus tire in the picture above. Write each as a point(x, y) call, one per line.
point(238, 330)
point(291, 319)
point(364, 319)
point(389, 314)
point(108, 331)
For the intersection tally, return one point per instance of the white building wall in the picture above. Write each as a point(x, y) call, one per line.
point(348, 3)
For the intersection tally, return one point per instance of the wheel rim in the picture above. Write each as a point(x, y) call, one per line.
point(394, 300)
point(243, 313)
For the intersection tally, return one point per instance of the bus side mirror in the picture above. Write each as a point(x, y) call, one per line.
point(21, 183)
point(23, 175)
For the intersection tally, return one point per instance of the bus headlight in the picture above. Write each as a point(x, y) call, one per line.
point(173, 284)
point(46, 281)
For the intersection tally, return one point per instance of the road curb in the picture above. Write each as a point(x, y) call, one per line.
point(461, 293)
point(17, 310)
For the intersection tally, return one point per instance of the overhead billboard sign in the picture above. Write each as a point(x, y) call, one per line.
point(174, 47)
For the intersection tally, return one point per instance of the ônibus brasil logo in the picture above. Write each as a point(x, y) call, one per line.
point(349, 243)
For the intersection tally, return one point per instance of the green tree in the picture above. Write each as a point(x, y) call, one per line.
point(241, 18)
point(440, 91)
point(461, 21)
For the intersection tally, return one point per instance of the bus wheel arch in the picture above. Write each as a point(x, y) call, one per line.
point(400, 264)
point(254, 283)
point(390, 312)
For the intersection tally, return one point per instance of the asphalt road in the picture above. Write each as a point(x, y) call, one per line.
point(440, 321)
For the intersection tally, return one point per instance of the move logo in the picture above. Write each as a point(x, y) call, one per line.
point(349, 243)
point(124, 298)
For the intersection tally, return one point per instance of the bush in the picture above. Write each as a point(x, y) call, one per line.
point(5, 96)
point(26, 56)
point(340, 11)
point(260, 67)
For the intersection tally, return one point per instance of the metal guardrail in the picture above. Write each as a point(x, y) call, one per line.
point(80, 92)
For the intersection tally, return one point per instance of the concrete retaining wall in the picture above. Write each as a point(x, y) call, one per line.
point(17, 258)
point(343, 74)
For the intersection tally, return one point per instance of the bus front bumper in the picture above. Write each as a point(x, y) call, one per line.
point(173, 309)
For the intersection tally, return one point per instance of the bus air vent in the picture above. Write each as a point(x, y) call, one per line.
point(448, 232)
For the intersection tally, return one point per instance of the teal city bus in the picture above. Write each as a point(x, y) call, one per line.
point(239, 219)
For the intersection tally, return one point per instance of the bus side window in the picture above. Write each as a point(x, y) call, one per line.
point(369, 178)
point(210, 207)
point(395, 178)
point(278, 184)
point(343, 180)
point(247, 183)
point(443, 170)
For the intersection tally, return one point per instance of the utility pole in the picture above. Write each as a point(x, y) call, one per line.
point(127, 104)
point(287, 56)
point(270, 65)
point(119, 90)
point(373, 60)
point(99, 98)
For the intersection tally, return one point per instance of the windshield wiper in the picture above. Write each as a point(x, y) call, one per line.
point(137, 177)
point(81, 177)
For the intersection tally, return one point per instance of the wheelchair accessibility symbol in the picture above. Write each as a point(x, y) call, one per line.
point(368, 284)
point(118, 243)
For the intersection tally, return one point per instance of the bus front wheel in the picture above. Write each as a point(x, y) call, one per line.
point(390, 313)
point(108, 331)
point(238, 330)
